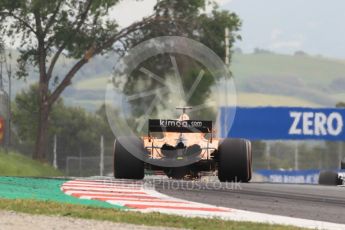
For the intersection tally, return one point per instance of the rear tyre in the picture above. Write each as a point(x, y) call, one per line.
point(235, 160)
point(127, 166)
point(342, 164)
point(329, 178)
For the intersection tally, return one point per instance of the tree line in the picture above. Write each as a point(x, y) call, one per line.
point(49, 30)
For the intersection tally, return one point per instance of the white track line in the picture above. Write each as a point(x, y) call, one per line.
point(104, 185)
point(98, 189)
point(113, 192)
point(139, 198)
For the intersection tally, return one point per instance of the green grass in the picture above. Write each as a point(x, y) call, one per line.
point(258, 99)
point(114, 215)
point(311, 69)
point(96, 83)
point(88, 102)
point(14, 164)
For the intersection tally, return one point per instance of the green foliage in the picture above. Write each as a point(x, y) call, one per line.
point(213, 30)
point(48, 30)
point(76, 25)
point(25, 113)
point(180, 18)
point(80, 30)
point(76, 130)
point(340, 105)
point(202, 91)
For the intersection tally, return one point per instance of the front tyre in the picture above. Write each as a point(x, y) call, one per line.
point(127, 166)
point(235, 160)
point(329, 178)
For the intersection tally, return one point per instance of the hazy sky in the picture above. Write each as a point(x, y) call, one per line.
point(314, 26)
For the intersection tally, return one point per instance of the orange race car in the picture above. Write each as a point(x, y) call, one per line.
point(182, 148)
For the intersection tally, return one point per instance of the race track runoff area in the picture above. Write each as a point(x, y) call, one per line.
point(136, 196)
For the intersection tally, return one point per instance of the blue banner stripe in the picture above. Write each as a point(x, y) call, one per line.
point(284, 123)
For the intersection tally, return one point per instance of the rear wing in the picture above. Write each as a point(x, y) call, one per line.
point(187, 126)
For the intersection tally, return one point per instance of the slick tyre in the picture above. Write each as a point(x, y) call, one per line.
point(329, 178)
point(127, 166)
point(235, 160)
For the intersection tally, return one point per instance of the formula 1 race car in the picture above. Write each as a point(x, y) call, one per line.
point(329, 177)
point(184, 149)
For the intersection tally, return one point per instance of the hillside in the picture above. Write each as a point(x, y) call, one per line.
point(318, 80)
point(261, 79)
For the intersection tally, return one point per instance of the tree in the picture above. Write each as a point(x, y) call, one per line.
point(48, 30)
point(25, 114)
point(181, 18)
point(80, 30)
point(6, 67)
point(77, 130)
point(300, 53)
point(340, 105)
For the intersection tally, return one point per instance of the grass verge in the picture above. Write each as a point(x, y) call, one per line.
point(15, 164)
point(151, 219)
